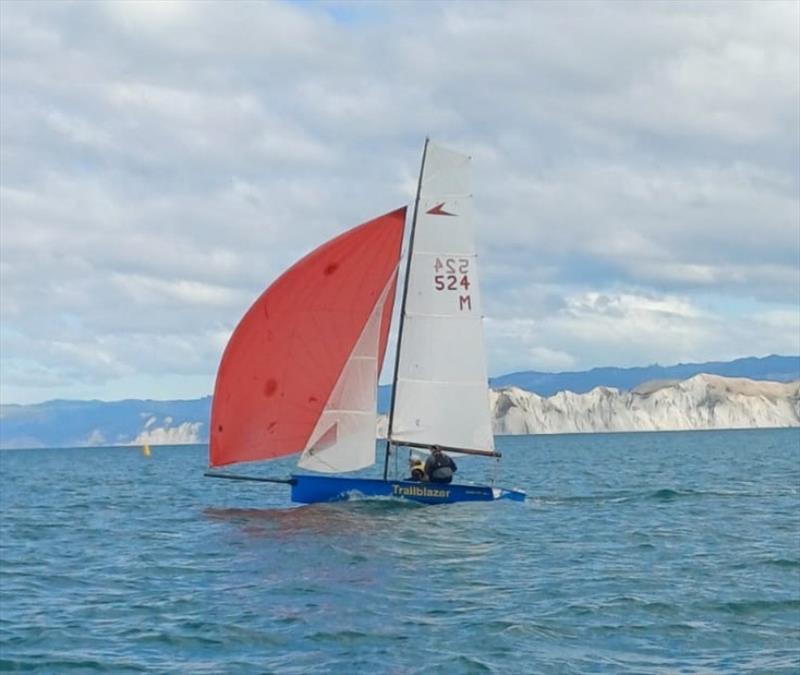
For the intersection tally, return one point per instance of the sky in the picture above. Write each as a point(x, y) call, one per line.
point(636, 175)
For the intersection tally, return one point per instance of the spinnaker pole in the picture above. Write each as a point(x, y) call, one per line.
point(258, 479)
point(403, 314)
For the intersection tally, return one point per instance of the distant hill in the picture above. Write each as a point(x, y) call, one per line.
point(82, 423)
point(60, 424)
point(774, 368)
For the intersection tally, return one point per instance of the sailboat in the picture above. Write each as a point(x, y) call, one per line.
point(300, 372)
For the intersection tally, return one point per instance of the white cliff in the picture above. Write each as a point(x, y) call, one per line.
point(701, 402)
point(181, 434)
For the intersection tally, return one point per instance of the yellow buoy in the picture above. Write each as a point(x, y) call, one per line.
point(146, 449)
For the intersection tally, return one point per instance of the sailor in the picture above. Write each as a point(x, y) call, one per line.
point(417, 468)
point(439, 467)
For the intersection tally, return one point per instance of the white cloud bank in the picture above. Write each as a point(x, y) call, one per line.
point(636, 174)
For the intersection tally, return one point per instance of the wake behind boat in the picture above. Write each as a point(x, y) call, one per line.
point(300, 372)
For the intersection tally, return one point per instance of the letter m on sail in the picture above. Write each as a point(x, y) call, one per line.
point(464, 301)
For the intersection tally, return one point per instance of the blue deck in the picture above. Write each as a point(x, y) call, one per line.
point(308, 489)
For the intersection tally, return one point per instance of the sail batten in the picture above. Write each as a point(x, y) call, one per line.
point(287, 354)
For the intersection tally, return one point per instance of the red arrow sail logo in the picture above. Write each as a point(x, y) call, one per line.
point(439, 211)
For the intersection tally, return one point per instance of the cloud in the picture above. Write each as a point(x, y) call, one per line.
point(631, 328)
point(162, 162)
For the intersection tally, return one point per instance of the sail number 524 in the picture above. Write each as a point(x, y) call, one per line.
point(452, 274)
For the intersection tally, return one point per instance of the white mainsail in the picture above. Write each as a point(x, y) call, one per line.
point(442, 394)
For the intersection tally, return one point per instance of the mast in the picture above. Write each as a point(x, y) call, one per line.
point(403, 313)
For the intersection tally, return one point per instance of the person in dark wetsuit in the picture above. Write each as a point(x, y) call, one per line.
point(439, 467)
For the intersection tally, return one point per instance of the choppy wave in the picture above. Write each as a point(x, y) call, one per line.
point(680, 556)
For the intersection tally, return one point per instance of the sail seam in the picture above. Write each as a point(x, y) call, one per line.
point(443, 316)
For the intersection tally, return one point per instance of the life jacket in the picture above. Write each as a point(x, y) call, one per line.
point(418, 471)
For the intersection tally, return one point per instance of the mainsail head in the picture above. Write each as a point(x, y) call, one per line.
point(310, 348)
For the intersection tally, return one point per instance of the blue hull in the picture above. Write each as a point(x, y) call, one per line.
point(308, 489)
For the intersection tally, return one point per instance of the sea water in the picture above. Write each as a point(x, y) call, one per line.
point(635, 553)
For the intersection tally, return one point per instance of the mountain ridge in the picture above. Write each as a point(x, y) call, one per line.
point(773, 367)
point(68, 423)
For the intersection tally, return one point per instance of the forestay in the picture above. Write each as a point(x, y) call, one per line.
point(442, 393)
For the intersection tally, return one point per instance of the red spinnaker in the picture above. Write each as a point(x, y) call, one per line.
point(285, 356)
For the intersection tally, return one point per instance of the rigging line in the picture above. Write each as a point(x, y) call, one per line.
point(403, 309)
